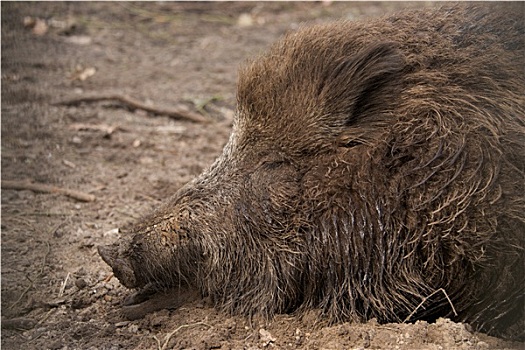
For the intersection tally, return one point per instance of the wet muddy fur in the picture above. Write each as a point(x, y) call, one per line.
point(372, 166)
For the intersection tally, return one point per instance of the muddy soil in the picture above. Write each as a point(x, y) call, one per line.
point(56, 291)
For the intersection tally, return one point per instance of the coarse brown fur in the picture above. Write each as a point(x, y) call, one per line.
point(370, 165)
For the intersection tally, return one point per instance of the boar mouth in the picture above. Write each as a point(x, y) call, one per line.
point(148, 298)
point(122, 268)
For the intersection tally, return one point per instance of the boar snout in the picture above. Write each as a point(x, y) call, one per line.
point(122, 268)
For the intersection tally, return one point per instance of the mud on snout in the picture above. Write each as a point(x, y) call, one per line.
point(122, 267)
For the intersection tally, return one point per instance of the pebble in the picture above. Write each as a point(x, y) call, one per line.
point(80, 283)
point(134, 328)
point(482, 345)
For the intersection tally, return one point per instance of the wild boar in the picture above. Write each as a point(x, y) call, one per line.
point(375, 170)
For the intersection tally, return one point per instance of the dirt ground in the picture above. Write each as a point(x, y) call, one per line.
point(56, 291)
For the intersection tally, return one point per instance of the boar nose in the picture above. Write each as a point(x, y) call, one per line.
point(108, 254)
point(122, 268)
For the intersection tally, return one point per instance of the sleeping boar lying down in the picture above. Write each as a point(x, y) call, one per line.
point(372, 167)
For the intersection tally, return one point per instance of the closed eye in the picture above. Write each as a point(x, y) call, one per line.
point(274, 164)
point(351, 144)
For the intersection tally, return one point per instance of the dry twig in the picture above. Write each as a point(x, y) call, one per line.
point(63, 287)
point(106, 129)
point(39, 187)
point(48, 250)
point(27, 289)
point(19, 323)
point(46, 316)
point(170, 334)
point(133, 104)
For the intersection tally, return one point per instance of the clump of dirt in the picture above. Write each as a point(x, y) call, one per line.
point(56, 291)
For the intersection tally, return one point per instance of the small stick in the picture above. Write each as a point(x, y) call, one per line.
point(108, 278)
point(170, 334)
point(39, 187)
point(44, 261)
point(426, 298)
point(106, 129)
point(63, 287)
point(134, 104)
point(46, 316)
point(28, 288)
point(69, 164)
point(18, 323)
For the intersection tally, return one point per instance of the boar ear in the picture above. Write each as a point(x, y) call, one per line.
point(356, 86)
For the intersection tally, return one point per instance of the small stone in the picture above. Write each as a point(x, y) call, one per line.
point(80, 283)
point(245, 20)
point(482, 345)
point(80, 303)
point(266, 337)
point(134, 328)
point(40, 27)
point(79, 39)
point(76, 140)
point(122, 324)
